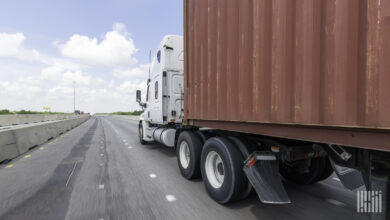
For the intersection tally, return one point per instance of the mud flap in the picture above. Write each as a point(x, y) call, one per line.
point(349, 177)
point(262, 170)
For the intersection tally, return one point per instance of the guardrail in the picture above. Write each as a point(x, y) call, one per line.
point(8, 120)
point(18, 140)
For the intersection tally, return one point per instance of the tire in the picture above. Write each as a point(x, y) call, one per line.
point(221, 158)
point(328, 170)
point(246, 147)
point(189, 144)
point(141, 134)
point(316, 170)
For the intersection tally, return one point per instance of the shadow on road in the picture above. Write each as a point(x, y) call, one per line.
point(170, 152)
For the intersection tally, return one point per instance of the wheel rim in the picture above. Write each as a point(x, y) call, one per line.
point(215, 169)
point(184, 153)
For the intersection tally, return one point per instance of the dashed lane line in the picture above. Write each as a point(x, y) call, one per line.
point(170, 198)
point(71, 173)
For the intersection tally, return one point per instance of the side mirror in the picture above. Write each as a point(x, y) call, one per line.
point(138, 96)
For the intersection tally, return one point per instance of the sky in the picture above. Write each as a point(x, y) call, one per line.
point(101, 45)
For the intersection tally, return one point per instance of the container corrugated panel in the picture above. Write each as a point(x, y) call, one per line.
point(300, 62)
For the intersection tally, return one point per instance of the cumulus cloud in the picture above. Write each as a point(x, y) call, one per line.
point(51, 72)
point(115, 49)
point(136, 72)
point(50, 83)
point(11, 46)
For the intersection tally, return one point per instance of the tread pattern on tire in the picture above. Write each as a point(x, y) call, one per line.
point(316, 171)
point(195, 145)
point(141, 141)
point(235, 180)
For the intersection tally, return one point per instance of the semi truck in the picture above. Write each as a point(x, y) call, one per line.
point(266, 91)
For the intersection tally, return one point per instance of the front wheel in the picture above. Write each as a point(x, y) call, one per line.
point(141, 134)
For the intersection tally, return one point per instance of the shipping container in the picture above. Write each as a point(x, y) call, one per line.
point(315, 70)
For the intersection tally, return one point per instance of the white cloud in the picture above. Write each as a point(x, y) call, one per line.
point(116, 49)
point(51, 72)
point(83, 60)
point(112, 84)
point(11, 46)
point(140, 71)
point(130, 86)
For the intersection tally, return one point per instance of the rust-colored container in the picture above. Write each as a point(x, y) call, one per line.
point(315, 70)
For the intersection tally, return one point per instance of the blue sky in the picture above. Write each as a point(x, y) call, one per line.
point(47, 38)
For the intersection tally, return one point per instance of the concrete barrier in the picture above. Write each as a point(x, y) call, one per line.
point(128, 117)
point(16, 141)
point(8, 148)
point(8, 120)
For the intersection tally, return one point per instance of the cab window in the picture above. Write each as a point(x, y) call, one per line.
point(156, 90)
point(159, 56)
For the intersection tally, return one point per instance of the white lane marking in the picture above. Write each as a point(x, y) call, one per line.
point(337, 203)
point(101, 164)
point(70, 175)
point(101, 155)
point(101, 186)
point(124, 140)
point(126, 143)
point(152, 175)
point(170, 198)
point(335, 178)
point(130, 147)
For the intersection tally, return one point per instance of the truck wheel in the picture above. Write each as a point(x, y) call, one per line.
point(328, 170)
point(246, 147)
point(315, 171)
point(188, 150)
point(141, 134)
point(221, 166)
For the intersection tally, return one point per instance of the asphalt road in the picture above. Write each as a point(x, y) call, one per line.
point(100, 171)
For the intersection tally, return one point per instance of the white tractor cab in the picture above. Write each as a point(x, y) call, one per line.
point(163, 108)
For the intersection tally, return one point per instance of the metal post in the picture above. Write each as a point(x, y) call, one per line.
point(74, 97)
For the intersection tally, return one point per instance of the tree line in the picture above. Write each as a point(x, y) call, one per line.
point(25, 112)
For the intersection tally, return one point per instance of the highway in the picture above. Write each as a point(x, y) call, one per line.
point(100, 171)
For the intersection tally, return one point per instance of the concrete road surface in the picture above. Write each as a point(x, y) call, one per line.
point(100, 171)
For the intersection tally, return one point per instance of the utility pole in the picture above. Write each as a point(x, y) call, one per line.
point(74, 97)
